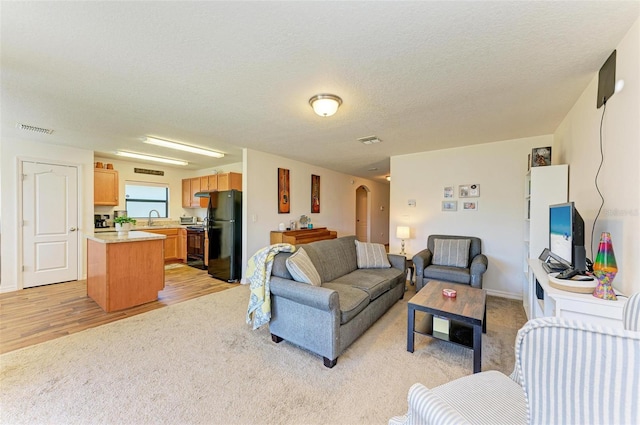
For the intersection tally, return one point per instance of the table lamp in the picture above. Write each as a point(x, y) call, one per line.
point(403, 232)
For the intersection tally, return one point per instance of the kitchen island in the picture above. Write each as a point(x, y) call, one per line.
point(124, 269)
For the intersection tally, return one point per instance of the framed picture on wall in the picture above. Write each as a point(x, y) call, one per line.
point(470, 206)
point(315, 193)
point(448, 192)
point(449, 205)
point(469, 190)
point(284, 199)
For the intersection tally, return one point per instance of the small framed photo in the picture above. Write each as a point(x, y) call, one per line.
point(448, 192)
point(449, 205)
point(469, 190)
point(470, 206)
point(541, 157)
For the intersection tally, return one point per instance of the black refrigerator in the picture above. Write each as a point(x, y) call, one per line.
point(224, 229)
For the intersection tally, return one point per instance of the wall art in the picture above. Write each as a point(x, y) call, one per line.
point(448, 192)
point(541, 157)
point(470, 206)
point(449, 205)
point(469, 190)
point(284, 197)
point(315, 193)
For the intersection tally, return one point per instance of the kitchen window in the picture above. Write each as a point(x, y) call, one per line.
point(141, 198)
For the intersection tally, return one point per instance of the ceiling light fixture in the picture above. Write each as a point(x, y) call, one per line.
point(325, 104)
point(181, 147)
point(152, 158)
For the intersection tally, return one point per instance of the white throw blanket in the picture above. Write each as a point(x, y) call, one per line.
point(259, 274)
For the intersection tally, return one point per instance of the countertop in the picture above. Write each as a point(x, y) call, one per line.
point(145, 227)
point(118, 237)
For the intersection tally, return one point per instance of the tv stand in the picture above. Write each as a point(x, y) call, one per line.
point(547, 301)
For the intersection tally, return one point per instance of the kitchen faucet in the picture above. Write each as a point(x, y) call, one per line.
point(150, 222)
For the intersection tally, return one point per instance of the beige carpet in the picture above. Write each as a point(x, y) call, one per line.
point(197, 362)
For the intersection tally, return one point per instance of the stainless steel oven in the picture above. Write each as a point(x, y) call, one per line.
point(195, 246)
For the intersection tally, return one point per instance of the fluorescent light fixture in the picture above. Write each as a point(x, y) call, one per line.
point(152, 158)
point(181, 147)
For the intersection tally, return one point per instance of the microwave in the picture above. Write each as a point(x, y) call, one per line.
point(187, 220)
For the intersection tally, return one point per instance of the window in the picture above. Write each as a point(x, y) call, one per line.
point(141, 198)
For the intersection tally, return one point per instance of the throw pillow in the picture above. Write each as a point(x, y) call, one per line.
point(371, 256)
point(302, 269)
point(451, 252)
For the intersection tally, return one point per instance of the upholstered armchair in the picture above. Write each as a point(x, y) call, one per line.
point(566, 372)
point(451, 259)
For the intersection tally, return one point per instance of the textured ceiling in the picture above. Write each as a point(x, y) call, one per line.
point(227, 75)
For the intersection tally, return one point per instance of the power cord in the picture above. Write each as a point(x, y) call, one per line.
point(604, 109)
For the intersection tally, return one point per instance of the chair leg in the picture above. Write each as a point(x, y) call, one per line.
point(276, 338)
point(330, 363)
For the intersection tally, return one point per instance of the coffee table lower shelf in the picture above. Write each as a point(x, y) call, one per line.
point(458, 333)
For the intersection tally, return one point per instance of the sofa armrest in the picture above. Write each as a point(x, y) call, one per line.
point(421, 260)
point(426, 407)
point(478, 267)
point(303, 293)
point(398, 261)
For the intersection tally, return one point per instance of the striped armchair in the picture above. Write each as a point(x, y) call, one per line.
point(566, 372)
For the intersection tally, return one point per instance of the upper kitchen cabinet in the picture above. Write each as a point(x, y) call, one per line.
point(228, 181)
point(105, 187)
point(211, 183)
point(189, 188)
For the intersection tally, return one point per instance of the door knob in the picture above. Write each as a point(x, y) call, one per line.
point(73, 229)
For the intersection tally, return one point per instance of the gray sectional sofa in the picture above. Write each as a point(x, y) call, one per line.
point(327, 319)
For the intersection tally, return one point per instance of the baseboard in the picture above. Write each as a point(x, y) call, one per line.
point(503, 294)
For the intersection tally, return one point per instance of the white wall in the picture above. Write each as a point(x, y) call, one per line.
point(14, 150)
point(578, 142)
point(337, 200)
point(499, 168)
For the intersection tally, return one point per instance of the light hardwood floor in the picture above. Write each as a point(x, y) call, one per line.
point(43, 313)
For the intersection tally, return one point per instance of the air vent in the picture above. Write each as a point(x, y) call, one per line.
point(370, 140)
point(32, 128)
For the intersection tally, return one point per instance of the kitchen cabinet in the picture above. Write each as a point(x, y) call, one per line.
point(172, 249)
point(211, 183)
point(189, 188)
point(124, 270)
point(182, 244)
point(105, 187)
point(228, 181)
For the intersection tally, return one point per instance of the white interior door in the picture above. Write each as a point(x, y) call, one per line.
point(362, 225)
point(50, 222)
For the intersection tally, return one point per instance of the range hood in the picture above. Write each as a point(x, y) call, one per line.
point(204, 194)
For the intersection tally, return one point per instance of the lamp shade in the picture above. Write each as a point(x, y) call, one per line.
point(325, 105)
point(403, 232)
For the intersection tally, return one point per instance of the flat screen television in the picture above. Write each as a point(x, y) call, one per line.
point(566, 235)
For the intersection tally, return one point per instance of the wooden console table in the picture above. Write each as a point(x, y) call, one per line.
point(297, 237)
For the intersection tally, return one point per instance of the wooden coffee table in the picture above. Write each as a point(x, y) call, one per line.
point(468, 308)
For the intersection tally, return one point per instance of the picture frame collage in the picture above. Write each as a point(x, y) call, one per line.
point(465, 191)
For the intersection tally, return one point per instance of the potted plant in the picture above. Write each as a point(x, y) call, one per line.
point(124, 223)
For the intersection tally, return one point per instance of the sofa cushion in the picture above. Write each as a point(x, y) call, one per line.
point(279, 268)
point(450, 274)
point(352, 300)
point(302, 269)
point(451, 252)
point(371, 281)
point(371, 255)
point(332, 258)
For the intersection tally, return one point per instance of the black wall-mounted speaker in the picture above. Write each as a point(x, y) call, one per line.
point(607, 80)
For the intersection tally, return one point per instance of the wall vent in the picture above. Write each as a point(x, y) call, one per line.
point(32, 128)
point(369, 140)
